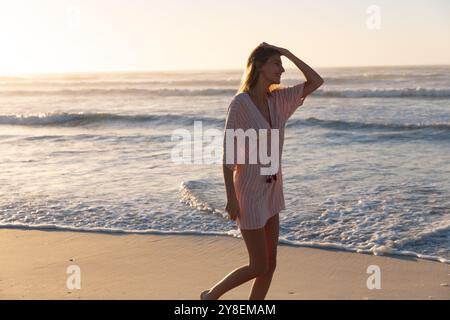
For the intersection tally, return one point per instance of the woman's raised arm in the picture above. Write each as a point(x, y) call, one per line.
point(313, 79)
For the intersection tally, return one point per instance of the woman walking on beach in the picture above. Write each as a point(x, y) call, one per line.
point(254, 200)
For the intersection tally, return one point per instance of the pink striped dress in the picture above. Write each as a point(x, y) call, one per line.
point(259, 199)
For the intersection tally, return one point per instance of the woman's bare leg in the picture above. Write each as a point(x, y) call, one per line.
point(255, 241)
point(262, 283)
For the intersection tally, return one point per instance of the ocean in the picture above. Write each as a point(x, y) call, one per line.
point(366, 159)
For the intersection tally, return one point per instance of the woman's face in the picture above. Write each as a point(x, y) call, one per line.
point(272, 69)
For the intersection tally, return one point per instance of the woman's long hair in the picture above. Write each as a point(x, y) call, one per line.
point(255, 61)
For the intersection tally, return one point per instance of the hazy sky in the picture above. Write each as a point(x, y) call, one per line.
point(103, 35)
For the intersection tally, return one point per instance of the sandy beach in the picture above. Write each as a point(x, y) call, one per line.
point(34, 265)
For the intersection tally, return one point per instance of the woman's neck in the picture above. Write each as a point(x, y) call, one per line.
point(260, 91)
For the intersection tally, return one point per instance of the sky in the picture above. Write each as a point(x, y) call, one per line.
point(40, 36)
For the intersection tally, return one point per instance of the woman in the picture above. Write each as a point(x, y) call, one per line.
point(254, 200)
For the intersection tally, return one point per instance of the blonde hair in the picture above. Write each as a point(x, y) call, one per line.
point(258, 57)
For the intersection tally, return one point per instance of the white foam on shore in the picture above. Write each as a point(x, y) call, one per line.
point(382, 250)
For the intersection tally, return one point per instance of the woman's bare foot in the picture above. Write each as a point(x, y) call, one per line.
point(204, 295)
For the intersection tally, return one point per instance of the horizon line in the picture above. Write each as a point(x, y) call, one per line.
point(207, 70)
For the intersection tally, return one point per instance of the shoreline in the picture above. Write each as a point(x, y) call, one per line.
point(34, 265)
point(321, 246)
